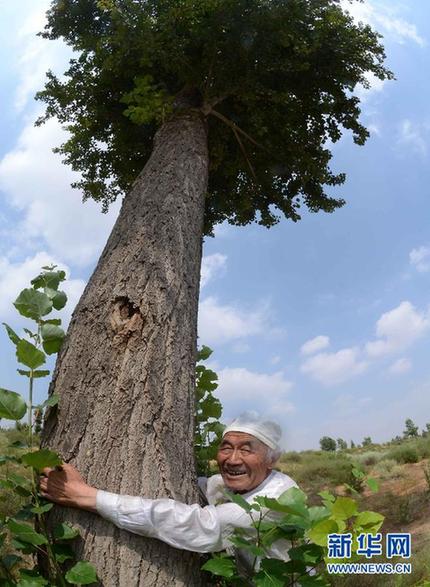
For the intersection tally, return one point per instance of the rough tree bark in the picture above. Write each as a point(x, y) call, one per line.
point(125, 373)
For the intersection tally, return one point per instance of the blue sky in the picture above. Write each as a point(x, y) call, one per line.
point(323, 324)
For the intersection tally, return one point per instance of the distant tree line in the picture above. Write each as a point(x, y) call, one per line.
point(411, 430)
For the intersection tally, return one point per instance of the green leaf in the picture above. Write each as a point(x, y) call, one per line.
point(204, 353)
point(318, 513)
point(36, 374)
point(49, 279)
point(19, 480)
point(366, 519)
point(65, 532)
point(54, 321)
point(42, 509)
point(313, 581)
point(52, 337)
point(344, 508)
point(244, 544)
point(11, 560)
point(25, 533)
point(83, 573)
point(211, 407)
point(292, 501)
point(320, 531)
point(12, 406)
point(40, 459)
point(51, 401)
point(239, 500)
point(29, 355)
point(30, 333)
point(11, 334)
point(220, 566)
point(270, 536)
point(4, 484)
point(2, 539)
point(19, 444)
point(273, 504)
point(358, 473)
point(33, 304)
point(31, 578)
point(272, 573)
point(24, 514)
point(22, 546)
point(6, 459)
point(327, 496)
point(206, 379)
point(311, 554)
point(62, 552)
point(59, 300)
point(293, 496)
point(216, 427)
point(373, 484)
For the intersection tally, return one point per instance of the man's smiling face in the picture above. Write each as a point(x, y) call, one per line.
point(243, 462)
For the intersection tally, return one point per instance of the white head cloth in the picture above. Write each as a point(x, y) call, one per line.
point(265, 430)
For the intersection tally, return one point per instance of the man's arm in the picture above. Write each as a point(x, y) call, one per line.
point(188, 527)
point(64, 485)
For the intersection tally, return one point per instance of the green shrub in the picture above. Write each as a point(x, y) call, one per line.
point(291, 457)
point(385, 468)
point(423, 448)
point(369, 458)
point(324, 468)
point(404, 454)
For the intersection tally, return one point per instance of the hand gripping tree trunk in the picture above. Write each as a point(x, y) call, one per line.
point(126, 372)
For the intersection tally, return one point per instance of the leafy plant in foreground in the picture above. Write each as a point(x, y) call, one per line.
point(27, 531)
point(208, 430)
point(305, 531)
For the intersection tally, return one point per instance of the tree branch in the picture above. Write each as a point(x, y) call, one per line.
point(234, 126)
point(242, 148)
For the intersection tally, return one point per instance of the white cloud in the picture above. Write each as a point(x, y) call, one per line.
point(348, 404)
point(400, 366)
point(413, 136)
point(36, 55)
point(374, 129)
point(242, 390)
point(241, 347)
point(420, 259)
point(36, 183)
point(397, 330)
point(382, 419)
point(315, 344)
point(220, 323)
point(334, 368)
point(382, 17)
point(33, 179)
point(373, 85)
point(212, 265)
point(16, 276)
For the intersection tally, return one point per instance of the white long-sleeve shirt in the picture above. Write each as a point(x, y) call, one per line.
point(191, 527)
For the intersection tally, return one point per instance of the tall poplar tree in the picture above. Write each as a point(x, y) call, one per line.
point(201, 111)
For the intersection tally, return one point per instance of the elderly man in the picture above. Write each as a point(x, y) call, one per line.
point(249, 449)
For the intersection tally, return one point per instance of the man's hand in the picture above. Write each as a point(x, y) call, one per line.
point(65, 486)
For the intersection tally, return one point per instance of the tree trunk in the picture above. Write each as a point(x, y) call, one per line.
point(125, 374)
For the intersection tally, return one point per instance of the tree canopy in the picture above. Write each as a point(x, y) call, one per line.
point(275, 79)
point(327, 443)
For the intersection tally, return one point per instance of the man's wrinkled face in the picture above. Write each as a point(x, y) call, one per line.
point(243, 462)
